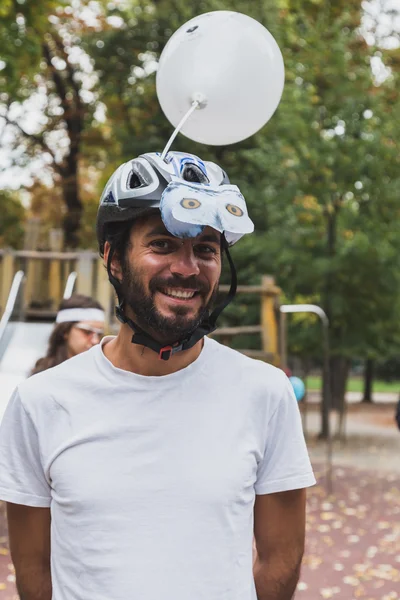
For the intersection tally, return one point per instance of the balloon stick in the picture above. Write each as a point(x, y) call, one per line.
point(195, 104)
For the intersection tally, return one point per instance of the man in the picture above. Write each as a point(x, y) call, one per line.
point(142, 468)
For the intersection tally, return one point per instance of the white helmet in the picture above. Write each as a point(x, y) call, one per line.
point(137, 185)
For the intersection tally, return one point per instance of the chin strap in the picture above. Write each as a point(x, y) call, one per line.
point(207, 325)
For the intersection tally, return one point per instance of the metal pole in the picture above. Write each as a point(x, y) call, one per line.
point(312, 308)
point(328, 402)
point(283, 340)
point(305, 404)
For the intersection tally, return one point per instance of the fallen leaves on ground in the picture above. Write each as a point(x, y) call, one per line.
point(353, 537)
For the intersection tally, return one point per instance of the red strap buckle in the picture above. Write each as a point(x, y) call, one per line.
point(165, 353)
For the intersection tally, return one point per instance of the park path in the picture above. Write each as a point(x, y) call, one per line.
point(353, 535)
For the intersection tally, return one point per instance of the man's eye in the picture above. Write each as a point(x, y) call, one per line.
point(161, 245)
point(204, 249)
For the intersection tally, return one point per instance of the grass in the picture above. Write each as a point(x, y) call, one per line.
point(355, 384)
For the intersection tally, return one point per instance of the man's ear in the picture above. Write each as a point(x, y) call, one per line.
point(115, 266)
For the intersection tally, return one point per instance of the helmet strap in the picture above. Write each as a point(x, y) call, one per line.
point(207, 325)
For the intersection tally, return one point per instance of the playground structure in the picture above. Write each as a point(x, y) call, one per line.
point(46, 275)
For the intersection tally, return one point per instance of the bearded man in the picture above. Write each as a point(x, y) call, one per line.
point(142, 468)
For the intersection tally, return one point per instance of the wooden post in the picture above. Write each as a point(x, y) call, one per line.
point(31, 268)
point(269, 324)
point(55, 291)
point(56, 240)
point(85, 274)
point(7, 274)
point(32, 233)
point(30, 281)
point(55, 273)
point(283, 340)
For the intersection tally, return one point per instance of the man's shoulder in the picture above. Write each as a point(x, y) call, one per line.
point(67, 375)
point(237, 364)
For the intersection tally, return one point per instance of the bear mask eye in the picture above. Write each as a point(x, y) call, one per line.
point(190, 203)
point(234, 210)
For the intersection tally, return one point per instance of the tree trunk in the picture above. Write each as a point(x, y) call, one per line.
point(326, 403)
point(71, 225)
point(70, 183)
point(340, 368)
point(68, 90)
point(72, 218)
point(368, 380)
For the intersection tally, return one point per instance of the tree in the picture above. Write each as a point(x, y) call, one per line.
point(48, 79)
point(320, 178)
point(12, 221)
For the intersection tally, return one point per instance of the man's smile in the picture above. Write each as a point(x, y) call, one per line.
point(179, 295)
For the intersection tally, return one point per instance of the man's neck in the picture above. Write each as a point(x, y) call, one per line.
point(123, 354)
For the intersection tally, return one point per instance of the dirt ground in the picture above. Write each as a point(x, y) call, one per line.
point(353, 537)
point(371, 440)
point(353, 534)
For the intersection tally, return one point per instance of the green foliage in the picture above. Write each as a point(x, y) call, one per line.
point(321, 178)
point(12, 221)
point(386, 384)
point(42, 63)
point(87, 231)
point(22, 27)
point(389, 370)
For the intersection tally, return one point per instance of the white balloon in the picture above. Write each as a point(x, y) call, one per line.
point(232, 65)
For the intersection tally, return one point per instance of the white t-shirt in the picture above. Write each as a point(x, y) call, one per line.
point(152, 480)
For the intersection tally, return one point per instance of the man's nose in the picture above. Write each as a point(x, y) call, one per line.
point(185, 262)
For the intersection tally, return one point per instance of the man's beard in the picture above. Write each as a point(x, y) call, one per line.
point(166, 330)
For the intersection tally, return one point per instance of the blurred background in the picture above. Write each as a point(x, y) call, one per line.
point(322, 182)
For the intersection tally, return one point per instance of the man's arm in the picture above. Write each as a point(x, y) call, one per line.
point(29, 534)
point(279, 532)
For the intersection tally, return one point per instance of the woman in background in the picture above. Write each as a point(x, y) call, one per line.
point(79, 326)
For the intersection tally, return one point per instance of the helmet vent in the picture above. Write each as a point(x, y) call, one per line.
point(134, 181)
point(194, 174)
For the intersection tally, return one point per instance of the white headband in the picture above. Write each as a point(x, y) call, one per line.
point(68, 315)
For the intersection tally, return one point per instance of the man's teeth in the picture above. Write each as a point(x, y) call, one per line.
point(179, 293)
